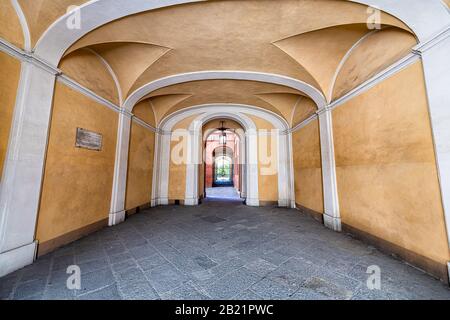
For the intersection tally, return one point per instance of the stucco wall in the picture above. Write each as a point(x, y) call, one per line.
point(88, 70)
point(386, 170)
point(178, 159)
point(267, 160)
point(140, 167)
point(77, 182)
point(9, 80)
point(308, 167)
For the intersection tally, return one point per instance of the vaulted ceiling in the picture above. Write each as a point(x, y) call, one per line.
point(326, 44)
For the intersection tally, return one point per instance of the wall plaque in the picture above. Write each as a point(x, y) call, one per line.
point(89, 140)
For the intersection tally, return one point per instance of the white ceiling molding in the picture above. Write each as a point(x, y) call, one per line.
point(344, 60)
point(24, 24)
point(171, 120)
point(301, 86)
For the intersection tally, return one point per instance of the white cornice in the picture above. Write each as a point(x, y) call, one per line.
point(29, 57)
point(434, 40)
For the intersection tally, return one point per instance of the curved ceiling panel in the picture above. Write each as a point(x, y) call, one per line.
point(321, 51)
point(371, 56)
point(87, 69)
point(160, 104)
point(223, 91)
point(284, 102)
point(40, 14)
point(129, 60)
point(302, 111)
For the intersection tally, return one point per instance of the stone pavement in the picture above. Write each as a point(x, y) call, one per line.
point(219, 250)
point(222, 193)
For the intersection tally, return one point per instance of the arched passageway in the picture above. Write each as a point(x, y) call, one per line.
point(340, 106)
point(223, 164)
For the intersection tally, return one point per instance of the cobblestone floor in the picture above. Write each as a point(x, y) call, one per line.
point(219, 251)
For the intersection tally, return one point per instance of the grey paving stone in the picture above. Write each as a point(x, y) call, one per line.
point(7, 285)
point(93, 265)
point(248, 295)
point(63, 262)
point(109, 293)
point(260, 267)
point(120, 257)
point(220, 250)
point(308, 294)
point(114, 248)
point(58, 291)
point(185, 292)
point(205, 262)
point(138, 291)
point(228, 266)
point(30, 289)
point(152, 262)
point(213, 219)
point(232, 285)
point(165, 278)
point(37, 271)
point(95, 280)
point(89, 255)
point(143, 252)
point(271, 290)
point(124, 265)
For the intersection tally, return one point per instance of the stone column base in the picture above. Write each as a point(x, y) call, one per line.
point(16, 259)
point(116, 218)
point(191, 202)
point(332, 223)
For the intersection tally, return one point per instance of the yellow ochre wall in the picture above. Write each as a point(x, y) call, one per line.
point(308, 167)
point(77, 182)
point(177, 171)
point(9, 81)
point(267, 183)
point(140, 167)
point(386, 170)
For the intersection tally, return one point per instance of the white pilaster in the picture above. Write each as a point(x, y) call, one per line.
point(436, 66)
point(252, 168)
point(155, 182)
point(164, 168)
point(23, 169)
point(192, 167)
point(292, 175)
point(332, 217)
point(284, 170)
point(117, 212)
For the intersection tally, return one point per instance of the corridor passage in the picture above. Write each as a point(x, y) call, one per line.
point(220, 251)
point(228, 193)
